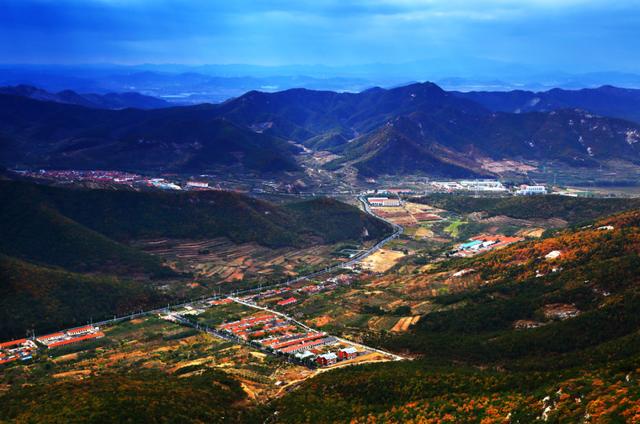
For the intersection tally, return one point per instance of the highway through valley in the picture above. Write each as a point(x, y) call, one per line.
point(397, 231)
point(235, 295)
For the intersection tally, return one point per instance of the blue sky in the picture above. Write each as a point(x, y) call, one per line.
point(561, 35)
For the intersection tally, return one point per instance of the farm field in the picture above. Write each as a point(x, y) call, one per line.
point(220, 261)
point(154, 344)
point(382, 260)
point(387, 299)
point(409, 214)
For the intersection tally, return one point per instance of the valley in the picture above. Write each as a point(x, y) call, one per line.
point(375, 298)
point(319, 212)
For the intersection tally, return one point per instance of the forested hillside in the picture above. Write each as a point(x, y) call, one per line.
point(44, 299)
point(571, 209)
point(477, 362)
point(126, 215)
point(142, 396)
point(66, 256)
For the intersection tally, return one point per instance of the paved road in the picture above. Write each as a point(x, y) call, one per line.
point(280, 314)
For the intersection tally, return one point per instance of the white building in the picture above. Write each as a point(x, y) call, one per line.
point(554, 254)
point(527, 190)
point(446, 186)
point(304, 355)
point(197, 184)
point(482, 185)
point(383, 201)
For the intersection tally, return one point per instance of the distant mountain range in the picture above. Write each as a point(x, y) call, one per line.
point(97, 101)
point(192, 84)
point(413, 129)
point(421, 128)
point(606, 100)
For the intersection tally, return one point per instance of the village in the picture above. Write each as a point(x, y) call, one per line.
point(273, 332)
point(23, 349)
point(268, 330)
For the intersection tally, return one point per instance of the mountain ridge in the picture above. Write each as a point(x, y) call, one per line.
point(606, 100)
point(437, 133)
point(97, 101)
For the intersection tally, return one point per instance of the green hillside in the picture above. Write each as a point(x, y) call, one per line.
point(47, 299)
point(128, 215)
point(33, 229)
point(335, 221)
point(146, 396)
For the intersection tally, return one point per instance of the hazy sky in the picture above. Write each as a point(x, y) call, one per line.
point(566, 35)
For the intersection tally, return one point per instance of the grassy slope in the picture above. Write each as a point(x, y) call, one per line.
point(44, 299)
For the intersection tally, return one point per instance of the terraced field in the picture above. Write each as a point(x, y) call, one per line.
point(223, 261)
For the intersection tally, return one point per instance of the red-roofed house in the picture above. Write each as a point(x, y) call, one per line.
point(348, 353)
point(50, 337)
point(82, 330)
point(96, 335)
point(327, 359)
point(6, 345)
point(288, 301)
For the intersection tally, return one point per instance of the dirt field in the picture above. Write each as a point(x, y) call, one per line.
point(506, 166)
point(404, 323)
point(221, 260)
point(422, 232)
point(533, 232)
point(382, 260)
point(321, 321)
point(411, 215)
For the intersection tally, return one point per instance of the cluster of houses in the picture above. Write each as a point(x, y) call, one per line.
point(267, 294)
point(163, 184)
point(23, 349)
point(326, 285)
point(71, 176)
point(253, 328)
point(330, 358)
point(74, 335)
point(114, 177)
point(493, 186)
point(285, 295)
point(483, 243)
point(279, 336)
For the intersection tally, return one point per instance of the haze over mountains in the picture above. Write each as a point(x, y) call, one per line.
point(96, 101)
point(190, 84)
point(414, 129)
